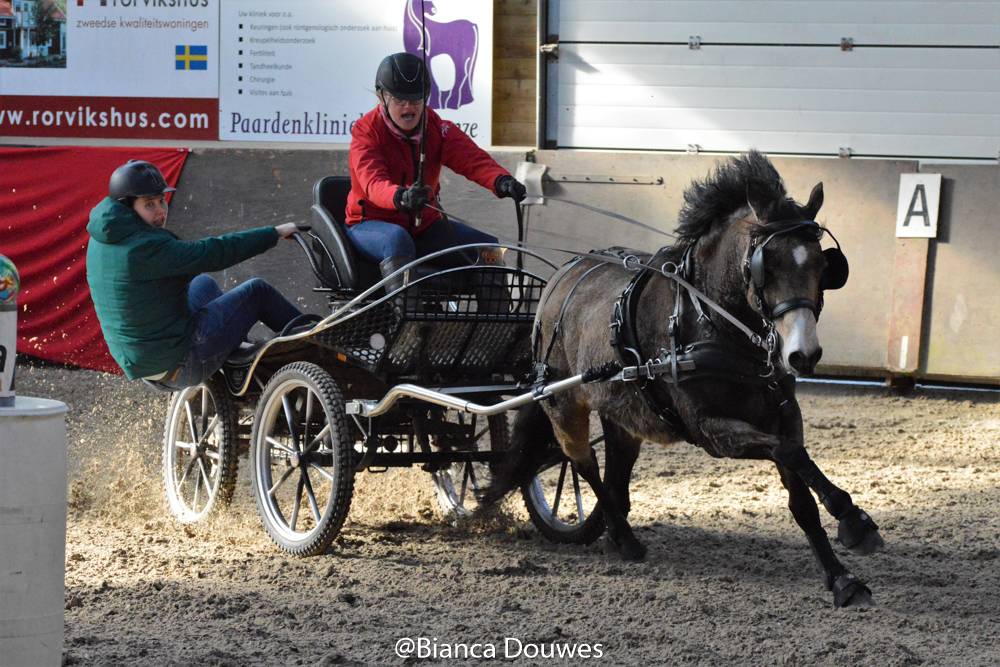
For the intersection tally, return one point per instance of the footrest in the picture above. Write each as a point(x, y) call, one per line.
point(244, 355)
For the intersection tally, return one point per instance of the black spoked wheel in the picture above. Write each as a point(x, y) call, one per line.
point(199, 451)
point(300, 453)
point(561, 503)
point(460, 484)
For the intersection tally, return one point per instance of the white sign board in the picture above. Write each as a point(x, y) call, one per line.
point(917, 211)
point(304, 70)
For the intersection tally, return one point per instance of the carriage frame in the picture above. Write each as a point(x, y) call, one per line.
point(421, 375)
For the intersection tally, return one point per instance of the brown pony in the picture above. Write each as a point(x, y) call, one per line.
point(726, 384)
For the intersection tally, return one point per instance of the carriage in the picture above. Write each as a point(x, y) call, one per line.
point(423, 375)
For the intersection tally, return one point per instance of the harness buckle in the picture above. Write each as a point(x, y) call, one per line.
point(541, 376)
point(670, 273)
point(672, 326)
point(630, 374)
point(631, 263)
point(770, 344)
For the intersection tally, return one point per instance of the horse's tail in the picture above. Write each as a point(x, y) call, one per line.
point(530, 440)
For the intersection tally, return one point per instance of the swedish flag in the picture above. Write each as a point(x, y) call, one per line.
point(189, 56)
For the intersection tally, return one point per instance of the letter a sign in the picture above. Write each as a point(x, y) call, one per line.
point(917, 212)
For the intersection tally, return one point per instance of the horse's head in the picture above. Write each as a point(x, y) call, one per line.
point(742, 212)
point(786, 272)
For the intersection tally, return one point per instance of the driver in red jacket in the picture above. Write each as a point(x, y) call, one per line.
point(391, 221)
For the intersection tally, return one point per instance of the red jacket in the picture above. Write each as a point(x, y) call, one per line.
point(382, 160)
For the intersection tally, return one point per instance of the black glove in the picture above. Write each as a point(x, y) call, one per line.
point(412, 199)
point(508, 186)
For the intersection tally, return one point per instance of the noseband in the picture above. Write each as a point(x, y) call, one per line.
point(834, 275)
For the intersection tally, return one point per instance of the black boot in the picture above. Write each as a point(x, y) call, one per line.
point(389, 266)
point(492, 293)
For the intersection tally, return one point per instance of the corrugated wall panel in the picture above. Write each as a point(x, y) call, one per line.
point(788, 22)
point(942, 102)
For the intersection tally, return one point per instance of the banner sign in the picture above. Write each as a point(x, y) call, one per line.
point(48, 195)
point(304, 70)
point(251, 70)
point(110, 68)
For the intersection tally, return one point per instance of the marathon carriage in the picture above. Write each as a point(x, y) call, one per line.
point(423, 375)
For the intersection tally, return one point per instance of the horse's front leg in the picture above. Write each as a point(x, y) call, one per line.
point(847, 589)
point(732, 437)
point(572, 429)
point(855, 530)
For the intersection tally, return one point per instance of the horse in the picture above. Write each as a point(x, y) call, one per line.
point(731, 311)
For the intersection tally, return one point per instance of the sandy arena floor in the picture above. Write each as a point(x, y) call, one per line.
point(729, 578)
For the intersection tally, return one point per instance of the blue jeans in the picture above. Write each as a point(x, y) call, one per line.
point(222, 321)
point(377, 240)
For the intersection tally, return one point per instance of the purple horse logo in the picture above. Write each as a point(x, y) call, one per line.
point(459, 40)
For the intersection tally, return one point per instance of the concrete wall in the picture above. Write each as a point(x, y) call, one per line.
point(962, 311)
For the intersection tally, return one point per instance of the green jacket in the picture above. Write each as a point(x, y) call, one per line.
point(139, 275)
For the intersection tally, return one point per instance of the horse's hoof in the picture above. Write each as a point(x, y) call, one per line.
point(849, 591)
point(859, 533)
point(871, 543)
point(632, 550)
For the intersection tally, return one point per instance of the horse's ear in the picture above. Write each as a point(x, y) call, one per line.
point(815, 201)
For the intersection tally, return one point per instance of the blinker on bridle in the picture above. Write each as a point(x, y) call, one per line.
point(834, 275)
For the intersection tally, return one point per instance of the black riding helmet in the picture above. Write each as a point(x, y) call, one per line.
point(403, 76)
point(137, 178)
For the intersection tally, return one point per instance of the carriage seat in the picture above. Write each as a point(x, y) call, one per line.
point(349, 271)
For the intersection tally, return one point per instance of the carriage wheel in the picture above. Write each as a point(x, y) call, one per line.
point(460, 484)
point(300, 454)
point(561, 503)
point(199, 451)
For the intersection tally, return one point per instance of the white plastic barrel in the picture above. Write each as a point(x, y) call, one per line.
point(32, 531)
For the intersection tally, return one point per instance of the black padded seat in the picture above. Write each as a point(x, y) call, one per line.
point(349, 271)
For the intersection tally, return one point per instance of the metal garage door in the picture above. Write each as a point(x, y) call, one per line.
point(813, 77)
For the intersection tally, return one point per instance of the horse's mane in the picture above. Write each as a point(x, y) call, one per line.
point(748, 179)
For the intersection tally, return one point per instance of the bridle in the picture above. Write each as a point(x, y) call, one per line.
point(834, 275)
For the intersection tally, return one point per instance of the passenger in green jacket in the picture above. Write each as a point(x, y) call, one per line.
point(163, 318)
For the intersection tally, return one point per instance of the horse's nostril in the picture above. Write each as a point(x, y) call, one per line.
point(796, 359)
point(804, 364)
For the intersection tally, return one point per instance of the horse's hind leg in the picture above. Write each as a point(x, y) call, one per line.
point(847, 589)
point(622, 451)
point(572, 429)
point(856, 530)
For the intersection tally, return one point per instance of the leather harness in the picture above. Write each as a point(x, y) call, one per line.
point(679, 362)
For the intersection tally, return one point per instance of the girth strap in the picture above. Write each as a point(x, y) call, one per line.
point(626, 343)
